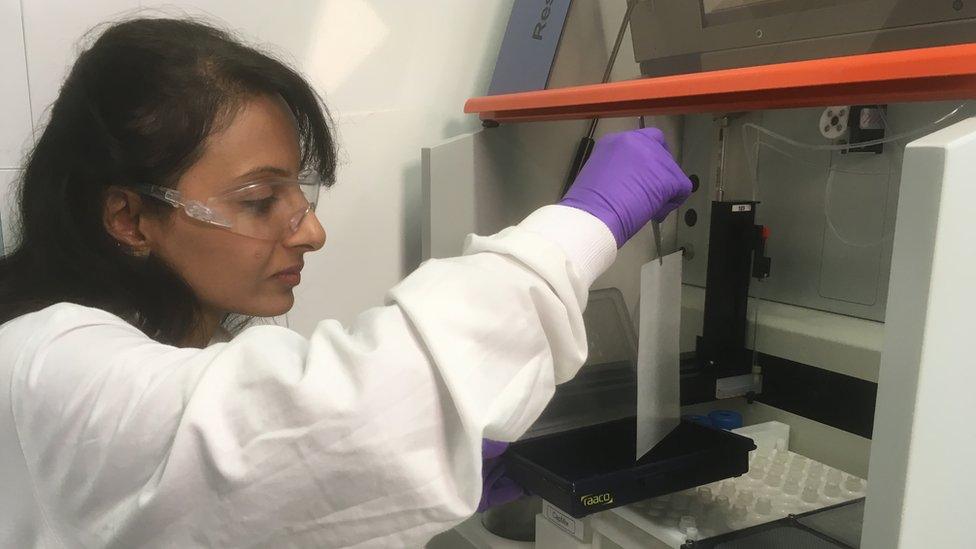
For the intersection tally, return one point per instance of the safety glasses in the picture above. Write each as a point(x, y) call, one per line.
point(267, 209)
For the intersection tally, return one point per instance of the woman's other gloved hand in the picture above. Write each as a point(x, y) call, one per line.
point(497, 489)
point(629, 179)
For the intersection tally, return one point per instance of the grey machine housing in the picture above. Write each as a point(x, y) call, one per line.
point(684, 36)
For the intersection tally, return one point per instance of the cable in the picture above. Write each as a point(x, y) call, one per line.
point(886, 235)
point(752, 160)
point(848, 146)
point(832, 172)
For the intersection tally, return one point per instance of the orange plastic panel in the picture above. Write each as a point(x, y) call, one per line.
point(928, 74)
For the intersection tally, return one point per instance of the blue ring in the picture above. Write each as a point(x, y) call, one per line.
point(725, 419)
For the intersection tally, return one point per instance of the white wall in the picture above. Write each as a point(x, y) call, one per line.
point(15, 115)
point(394, 73)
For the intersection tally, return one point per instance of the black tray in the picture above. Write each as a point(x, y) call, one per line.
point(592, 469)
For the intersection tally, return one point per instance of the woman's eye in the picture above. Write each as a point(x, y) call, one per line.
point(260, 206)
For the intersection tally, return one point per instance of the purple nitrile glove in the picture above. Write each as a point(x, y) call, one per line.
point(496, 489)
point(629, 179)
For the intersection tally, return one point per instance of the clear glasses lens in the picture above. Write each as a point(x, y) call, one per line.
point(269, 210)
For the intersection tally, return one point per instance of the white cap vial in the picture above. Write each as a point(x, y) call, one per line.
point(834, 475)
point(853, 484)
point(705, 494)
point(744, 498)
point(739, 512)
point(814, 477)
point(810, 495)
point(728, 490)
point(680, 502)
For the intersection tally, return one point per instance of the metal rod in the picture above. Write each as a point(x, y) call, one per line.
point(620, 38)
point(723, 124)
point(613, 57)
point(585, 147)
point(655, 225)
point(656, 228)
point(592, 130)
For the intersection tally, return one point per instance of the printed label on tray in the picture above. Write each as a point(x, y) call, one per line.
point(563, 521)
point(597, 499)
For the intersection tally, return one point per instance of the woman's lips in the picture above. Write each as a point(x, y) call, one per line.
point(291, 276)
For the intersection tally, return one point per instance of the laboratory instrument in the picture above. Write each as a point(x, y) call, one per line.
point(827, 284)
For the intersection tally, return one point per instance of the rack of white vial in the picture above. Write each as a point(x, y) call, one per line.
point(779, 483)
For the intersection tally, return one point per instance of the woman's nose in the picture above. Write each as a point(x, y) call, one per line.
point(310, 234)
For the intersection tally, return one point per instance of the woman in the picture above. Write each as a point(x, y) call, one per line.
point(174, 187)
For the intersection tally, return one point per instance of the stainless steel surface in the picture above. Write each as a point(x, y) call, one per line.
point(680, 36)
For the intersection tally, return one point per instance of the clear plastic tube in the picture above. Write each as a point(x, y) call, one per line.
point(832, 172)
point(752, 160)
point(845, 146)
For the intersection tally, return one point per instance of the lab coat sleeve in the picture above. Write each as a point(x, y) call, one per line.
point(363, 436)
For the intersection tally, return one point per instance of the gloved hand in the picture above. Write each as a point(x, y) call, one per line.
point(497, 489)
point(629, 179)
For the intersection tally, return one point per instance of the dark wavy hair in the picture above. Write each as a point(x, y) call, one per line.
point(137, 107)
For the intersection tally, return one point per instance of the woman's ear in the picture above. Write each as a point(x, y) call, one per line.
point(121, 215)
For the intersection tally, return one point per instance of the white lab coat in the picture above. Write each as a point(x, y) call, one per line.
point(366, 436)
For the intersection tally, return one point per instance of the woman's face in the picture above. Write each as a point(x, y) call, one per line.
point(230, 273)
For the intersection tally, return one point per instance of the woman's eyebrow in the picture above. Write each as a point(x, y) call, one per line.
point(265, 170)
